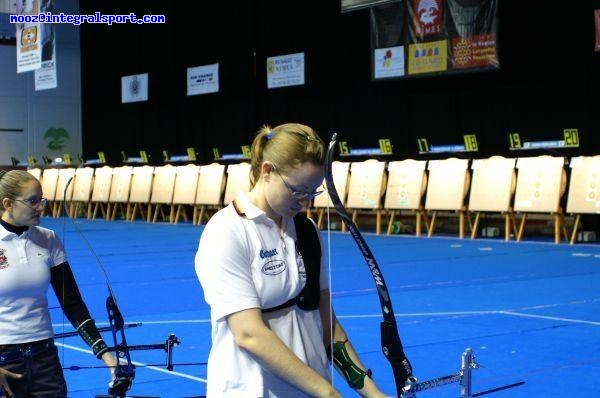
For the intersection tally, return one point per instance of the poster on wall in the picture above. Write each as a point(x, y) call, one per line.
point(389, 62)
point(134, 88)
point(438, 36)
point(427, 57)
point(203, 79)
point(285, 70)
point(45, 76)
point(29, 37)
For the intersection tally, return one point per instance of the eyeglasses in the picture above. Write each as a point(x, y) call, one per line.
point(299, 195)
point(33, 203)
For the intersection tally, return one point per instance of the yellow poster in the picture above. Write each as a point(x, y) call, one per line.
point(427, 57)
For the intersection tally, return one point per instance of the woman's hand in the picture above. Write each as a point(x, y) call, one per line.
point(110, 361)
point(115, 386)
point(4, 388)
point(370, 390)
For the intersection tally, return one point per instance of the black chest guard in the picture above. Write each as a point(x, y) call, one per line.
point(309, 246)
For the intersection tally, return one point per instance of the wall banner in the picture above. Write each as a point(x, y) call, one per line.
point(285, 70)
point(29, 37)
point(438, 36)
point(134, 88)
point(45, 76)
point(389, 62)
point(203, 79)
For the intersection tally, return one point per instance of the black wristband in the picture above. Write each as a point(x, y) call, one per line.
point(89, 333)
point(99, 348)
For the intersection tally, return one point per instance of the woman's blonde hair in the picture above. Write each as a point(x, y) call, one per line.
point(287, 146)
point(12, 183)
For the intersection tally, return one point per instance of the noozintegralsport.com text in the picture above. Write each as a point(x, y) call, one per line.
point(76, 19)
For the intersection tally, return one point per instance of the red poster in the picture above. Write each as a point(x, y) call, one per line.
point(474, 51)
point(597, 18)
point(427, 17)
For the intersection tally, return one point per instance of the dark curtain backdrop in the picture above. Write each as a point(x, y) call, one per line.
point(548, 80)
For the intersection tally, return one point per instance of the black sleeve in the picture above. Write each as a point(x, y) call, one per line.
point(69, 297)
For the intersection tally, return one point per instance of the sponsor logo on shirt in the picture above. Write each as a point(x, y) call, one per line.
point(3, 260)
point(268, 253)
point(273, 267)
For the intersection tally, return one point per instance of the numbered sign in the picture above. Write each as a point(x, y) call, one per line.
point(344, 149)
point(191, 152)
point(385, 146)
point(246, 151)
point(470, 143)
point(514, 141)
point(422, 144)
point(571, 138)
